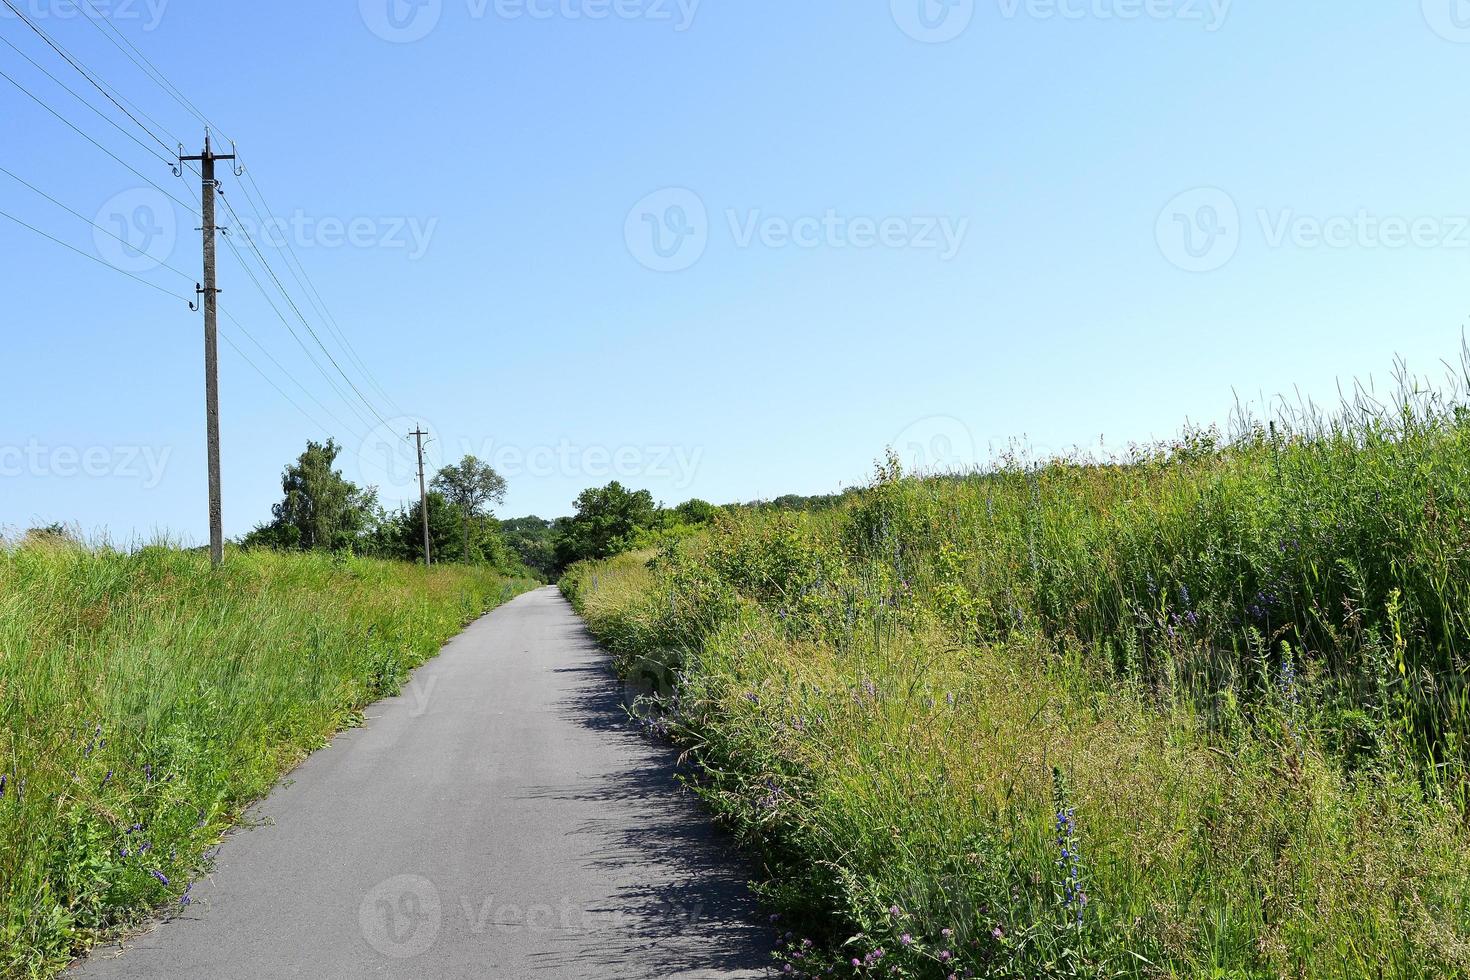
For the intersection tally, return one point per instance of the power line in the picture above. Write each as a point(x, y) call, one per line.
point(72, 92)
point(88, 76)
point(187, 277)
point(261, 208)
point(292, 330)
point(151, 285)
point(260, 255)
point(347, 428)
point(72, 211)
point(41, 102)
point(151, 70)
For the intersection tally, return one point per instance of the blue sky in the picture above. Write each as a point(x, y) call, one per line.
point(717, 249)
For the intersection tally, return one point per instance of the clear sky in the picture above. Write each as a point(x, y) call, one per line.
point(718, 249)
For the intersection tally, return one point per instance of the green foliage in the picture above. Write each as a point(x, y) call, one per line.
point(469, 485)
point(145, 701)
point(608, 521)
point(530, 539)
point(320, 509)
point(1217, 686)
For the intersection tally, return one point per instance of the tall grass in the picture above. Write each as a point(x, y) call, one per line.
point(1197, 712)
point(146, 700)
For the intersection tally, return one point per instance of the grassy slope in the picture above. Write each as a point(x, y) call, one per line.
point(1236, 674)
point(146, 701)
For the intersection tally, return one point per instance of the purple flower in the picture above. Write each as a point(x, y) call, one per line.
point(162, 879)
point(906, 939)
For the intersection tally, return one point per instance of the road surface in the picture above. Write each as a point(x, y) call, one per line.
point(498, 819)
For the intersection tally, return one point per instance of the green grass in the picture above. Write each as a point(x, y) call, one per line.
point(146, 701)
point(1239, 665)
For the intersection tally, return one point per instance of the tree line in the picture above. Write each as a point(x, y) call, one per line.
point(321, 510)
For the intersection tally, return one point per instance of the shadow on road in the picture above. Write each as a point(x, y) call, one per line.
point(691, 912)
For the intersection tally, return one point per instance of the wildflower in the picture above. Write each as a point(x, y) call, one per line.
point(895, 911)
point(947, 933)
point(184, 899)
point(998, 933)
point(105, 780)
point(2, 787)
point(162, 878)
point(945, 956)
point(906, 939)
point(1074, 899)
point(1288, 677)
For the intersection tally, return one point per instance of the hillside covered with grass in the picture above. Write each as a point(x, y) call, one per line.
point(146, 700)
point(1196, 712)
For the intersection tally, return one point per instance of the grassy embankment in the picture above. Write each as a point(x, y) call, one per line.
point(1218, 690)
point(146, 701)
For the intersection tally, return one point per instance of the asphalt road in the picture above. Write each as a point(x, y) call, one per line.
point(498, 819)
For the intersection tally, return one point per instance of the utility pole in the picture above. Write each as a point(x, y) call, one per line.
point(418, 436)
point(210, 294)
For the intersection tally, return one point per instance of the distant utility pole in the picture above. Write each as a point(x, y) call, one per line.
point(210, 293)
point(418, 436)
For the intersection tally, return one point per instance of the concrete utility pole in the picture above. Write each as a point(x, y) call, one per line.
point(418, 436)
point(209, 186)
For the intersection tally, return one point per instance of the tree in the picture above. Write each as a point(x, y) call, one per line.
point(696, 512)
point(531, 539)
point(470, 485)
point(606, 522)
point(320, 510)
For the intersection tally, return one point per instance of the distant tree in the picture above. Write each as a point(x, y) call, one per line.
point(696, 512)
point(319, 510)
point(531, 539)
point(608, 519)
point(470, 485)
